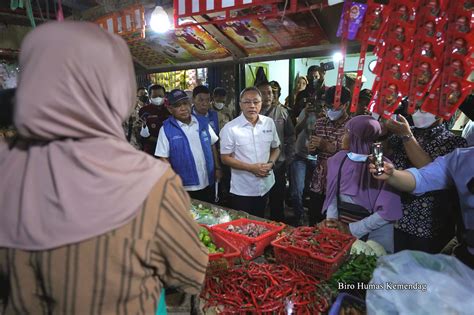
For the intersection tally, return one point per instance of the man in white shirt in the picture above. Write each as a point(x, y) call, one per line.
point(250, 147)
point(189, 146)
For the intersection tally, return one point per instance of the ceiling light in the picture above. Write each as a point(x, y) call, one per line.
point(159, 20)
point(337, 57)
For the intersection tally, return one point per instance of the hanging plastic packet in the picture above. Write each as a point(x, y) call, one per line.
point(458, 61)
point(340, 70)
point(374, 104)
point(356, 16)
point(428, 53)
point(363, 53)
point(397, 61)
point(375, 22)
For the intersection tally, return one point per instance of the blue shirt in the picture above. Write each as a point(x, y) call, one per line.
point(456, 168)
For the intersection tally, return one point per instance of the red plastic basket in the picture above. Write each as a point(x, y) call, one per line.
point(219, 262)
point(249, 247)
point(304, 260)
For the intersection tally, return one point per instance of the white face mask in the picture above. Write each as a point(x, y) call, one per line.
point(144, 132)
point(335, 114)
point(219, 105)
point(157, 100)
point(423, 120)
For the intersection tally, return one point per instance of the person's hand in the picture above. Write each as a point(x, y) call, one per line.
point(309, 109)
point(268, 166)
point(344, 228)
point(388, 170)
point(329, 223)
point(329, 147)
point(332, 223)
point(261, 169)
point(322, 74)
point(400, 127)
point(314, 143)
point(218, 174)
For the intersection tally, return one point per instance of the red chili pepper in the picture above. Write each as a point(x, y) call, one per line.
point(262, 289)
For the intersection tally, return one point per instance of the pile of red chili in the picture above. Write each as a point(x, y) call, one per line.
point(320, 242)
point(265, 289)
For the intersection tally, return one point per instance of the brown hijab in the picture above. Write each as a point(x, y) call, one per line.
point(74, 176)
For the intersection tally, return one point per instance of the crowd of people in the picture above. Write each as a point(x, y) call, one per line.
point(304, 162)
point(83, 211)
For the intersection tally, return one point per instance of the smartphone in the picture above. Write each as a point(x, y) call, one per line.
point(377, 152)
point(327, 65)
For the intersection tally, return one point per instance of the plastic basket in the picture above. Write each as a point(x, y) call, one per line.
point(249, 247)
point(341, 301)
point(219, 262)
point(304, 260)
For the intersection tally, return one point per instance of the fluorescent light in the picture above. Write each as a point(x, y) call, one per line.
point(159, 20)
point(337, 57)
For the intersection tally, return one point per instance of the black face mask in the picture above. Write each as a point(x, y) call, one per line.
point(143, 99)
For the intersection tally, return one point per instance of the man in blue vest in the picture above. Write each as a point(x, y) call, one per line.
point(188, 144)
point(202, 105)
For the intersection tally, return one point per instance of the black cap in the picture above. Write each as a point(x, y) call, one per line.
point(365, 93)
point(331, 94)
point(177, 95)
point(314, 68)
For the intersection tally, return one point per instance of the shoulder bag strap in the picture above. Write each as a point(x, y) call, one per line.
point(338, 189)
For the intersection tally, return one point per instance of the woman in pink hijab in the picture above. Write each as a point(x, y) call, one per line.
point(88, 224)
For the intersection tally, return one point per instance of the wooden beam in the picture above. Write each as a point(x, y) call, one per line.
point(312, 51)
point(96, 12)
point(306, 52)
point(187, 65)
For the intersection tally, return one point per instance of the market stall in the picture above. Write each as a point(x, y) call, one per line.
point(266, 267)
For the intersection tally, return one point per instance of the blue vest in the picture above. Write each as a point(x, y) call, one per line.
point(180, 156)
point(212, 119)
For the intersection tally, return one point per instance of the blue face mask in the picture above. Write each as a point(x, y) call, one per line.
point(355, 157)
point(334, 114)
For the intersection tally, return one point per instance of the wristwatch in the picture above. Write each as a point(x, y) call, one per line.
point(273, 163)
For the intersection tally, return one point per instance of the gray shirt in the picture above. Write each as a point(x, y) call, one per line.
point(285, 130)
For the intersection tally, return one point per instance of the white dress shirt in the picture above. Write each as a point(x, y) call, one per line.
point(250, 144)
point(192, 133)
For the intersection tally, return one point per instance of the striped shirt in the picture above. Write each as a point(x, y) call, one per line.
point(332, 132)
point(120, 272)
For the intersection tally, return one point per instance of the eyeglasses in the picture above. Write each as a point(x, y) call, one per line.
point(250, 102)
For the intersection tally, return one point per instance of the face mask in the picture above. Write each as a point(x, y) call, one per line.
point(219, 105)
point(157, 100)
point(143, 99)
point(145, 133)
point(423, 120)
point(334, 114)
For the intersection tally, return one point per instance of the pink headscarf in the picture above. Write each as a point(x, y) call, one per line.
point(76, 176)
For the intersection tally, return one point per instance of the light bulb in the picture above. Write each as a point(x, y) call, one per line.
point(159, 21)
point(337, 57)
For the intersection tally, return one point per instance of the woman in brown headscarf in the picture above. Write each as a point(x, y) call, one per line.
point(88, 224)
